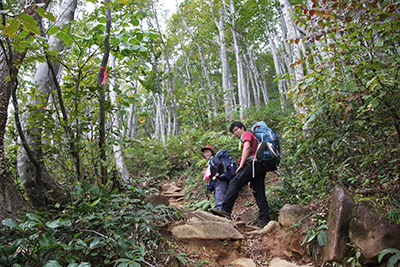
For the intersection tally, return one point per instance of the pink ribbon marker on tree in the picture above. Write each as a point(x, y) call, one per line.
point(104, 76)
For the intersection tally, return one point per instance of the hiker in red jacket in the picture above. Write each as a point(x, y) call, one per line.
point(217, 169)
point(244, 175)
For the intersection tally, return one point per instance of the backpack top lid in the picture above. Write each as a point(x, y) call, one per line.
point(263, 132)
point(226, 158)
point(224, 155)
point(223, 152)
point(260, 126)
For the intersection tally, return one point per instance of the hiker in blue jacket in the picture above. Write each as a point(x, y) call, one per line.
point(217, 169)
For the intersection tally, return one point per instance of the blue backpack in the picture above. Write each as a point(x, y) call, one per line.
point(264, 133)
point(229, 162)
point(230, 167)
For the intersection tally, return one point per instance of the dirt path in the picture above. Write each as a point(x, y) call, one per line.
point(276, 248)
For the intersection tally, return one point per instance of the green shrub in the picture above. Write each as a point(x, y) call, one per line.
point(100, 227)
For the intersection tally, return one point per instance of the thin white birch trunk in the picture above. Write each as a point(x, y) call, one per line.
point(264, 88)
point(281, 59)
point(118, 155)
point(45, 81)
point(129, 124)
point(159, 119)
point(229, 104)
point(170, 82)
point(296, 55)
point(250, 77)
point(228, 90)
point(286, 51)
point(265, 91)
point(256, 74)
point(130, 129)
point(242, 92)
point(277, 69)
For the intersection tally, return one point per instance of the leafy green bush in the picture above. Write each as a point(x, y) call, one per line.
point(147, 157)
point(100, 227)
point(393, 259)
point(350, 132)
point(315, 236)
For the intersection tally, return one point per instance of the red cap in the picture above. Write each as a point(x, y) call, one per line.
point(207, 147)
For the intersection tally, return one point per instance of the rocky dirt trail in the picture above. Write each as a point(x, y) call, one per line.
point(207, 240)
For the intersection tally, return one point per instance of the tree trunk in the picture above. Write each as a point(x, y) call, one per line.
point(33, 133)
point(228, 90)
point(118, 155)
point(11, 200)
point(284, 47)
point(296, 55)
point(252, 74)
point(229, 104)
point(242, 92)
point(131, 126)
point(158, 99)
point(170, 81)
point(101, 75)
point(277, 69)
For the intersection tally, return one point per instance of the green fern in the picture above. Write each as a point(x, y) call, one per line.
point(393, 259)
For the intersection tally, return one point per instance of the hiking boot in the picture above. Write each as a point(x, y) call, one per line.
point(260, 150)
point(221, 213)
point(271, 149)
point(262, 223)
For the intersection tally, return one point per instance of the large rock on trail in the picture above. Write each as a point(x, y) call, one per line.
point(243, 262)
point(291, 214)
point(173, 189)
point(372, 233)
point(340, 211)
point(210, 230)
point(200, 215)
point(204, 225)
point(276, 262)
point(157, 199)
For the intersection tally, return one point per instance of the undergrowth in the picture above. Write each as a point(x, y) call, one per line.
point(99, 228)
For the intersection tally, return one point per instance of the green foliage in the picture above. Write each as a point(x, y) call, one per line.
point(272, 114)
point(147, 157)
point(393, 259)
point(315, 237)
point(350, 133)
point(83, 38)
point(394, 209)
point(249, 204)
point(276, 200)
point(354, 261)
point(203, 263)
point(100, 227)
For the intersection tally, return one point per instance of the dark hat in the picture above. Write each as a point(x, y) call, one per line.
point(209, 148)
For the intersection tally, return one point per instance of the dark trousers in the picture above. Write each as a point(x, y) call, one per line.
point(257, 184)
